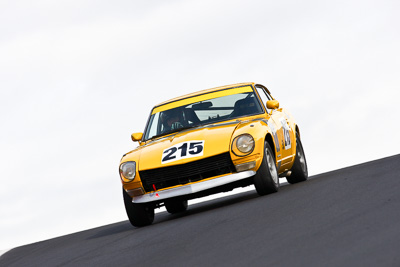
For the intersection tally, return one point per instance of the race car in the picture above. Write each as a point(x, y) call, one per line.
point(208, 142)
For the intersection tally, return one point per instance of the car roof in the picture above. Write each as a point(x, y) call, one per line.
point(205, 91)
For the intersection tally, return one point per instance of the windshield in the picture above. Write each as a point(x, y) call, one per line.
point(201, 110)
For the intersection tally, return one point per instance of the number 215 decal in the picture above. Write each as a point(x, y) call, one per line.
point(183, 150)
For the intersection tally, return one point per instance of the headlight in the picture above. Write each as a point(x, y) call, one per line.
point(127, 170)
point(244, 144)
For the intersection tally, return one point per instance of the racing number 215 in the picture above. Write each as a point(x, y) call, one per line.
point(183, 150)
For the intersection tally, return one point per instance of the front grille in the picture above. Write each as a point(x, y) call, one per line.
point(186, 173)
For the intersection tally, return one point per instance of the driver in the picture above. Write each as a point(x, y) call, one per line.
point(171, 120)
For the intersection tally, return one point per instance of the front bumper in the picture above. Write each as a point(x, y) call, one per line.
point(192, 188)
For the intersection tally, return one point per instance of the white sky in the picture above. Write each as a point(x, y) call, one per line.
point(78, 77)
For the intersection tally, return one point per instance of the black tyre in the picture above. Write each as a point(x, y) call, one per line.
point(176, 205)
point(266, 180)
point(299, 169)
point(138, 214)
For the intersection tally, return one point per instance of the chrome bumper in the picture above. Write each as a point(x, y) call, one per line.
point(192, 188)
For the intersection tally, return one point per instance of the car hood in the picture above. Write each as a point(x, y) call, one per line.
point(216, 137)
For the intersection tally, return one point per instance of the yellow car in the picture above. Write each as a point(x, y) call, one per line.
point(209, 142)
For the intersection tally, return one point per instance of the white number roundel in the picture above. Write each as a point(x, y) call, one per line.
point(183, 150)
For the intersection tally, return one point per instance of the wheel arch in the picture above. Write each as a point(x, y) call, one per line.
point(298, 131)
point(270, 141)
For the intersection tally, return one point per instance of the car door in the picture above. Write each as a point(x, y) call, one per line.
point(284, 133)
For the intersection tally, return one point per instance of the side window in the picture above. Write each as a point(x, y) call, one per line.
point(264, 97)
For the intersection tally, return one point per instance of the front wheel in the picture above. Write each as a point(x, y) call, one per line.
point(138, 214)
point(299, 169)
point(266, 180)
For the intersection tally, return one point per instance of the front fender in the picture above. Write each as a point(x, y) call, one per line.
point(259, 130)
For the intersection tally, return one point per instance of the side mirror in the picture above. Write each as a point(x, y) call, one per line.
point(272, 104)
point(136, 137)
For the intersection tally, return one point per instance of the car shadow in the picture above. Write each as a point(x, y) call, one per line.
point(125, 226)
point(209, 205)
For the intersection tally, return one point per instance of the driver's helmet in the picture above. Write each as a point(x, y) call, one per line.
point(171, 113)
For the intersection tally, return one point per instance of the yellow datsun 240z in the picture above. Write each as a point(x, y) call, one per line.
point(209, 142)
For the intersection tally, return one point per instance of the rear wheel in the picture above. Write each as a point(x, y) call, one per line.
point(266, 180)
point(299, 169)
point(176, 205)
point(138, 214)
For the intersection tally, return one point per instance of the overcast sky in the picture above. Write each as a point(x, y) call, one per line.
point(78, 77)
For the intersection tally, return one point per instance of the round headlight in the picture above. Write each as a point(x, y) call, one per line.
point(245, 143)
point(128, 170)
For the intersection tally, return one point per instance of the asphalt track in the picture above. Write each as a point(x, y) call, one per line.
point(348, 217)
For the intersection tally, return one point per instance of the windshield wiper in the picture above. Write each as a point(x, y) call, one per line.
point(184, 128)
point(174, 131)
point(157, 135)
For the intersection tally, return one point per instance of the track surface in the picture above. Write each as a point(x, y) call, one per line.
point(348, 217)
